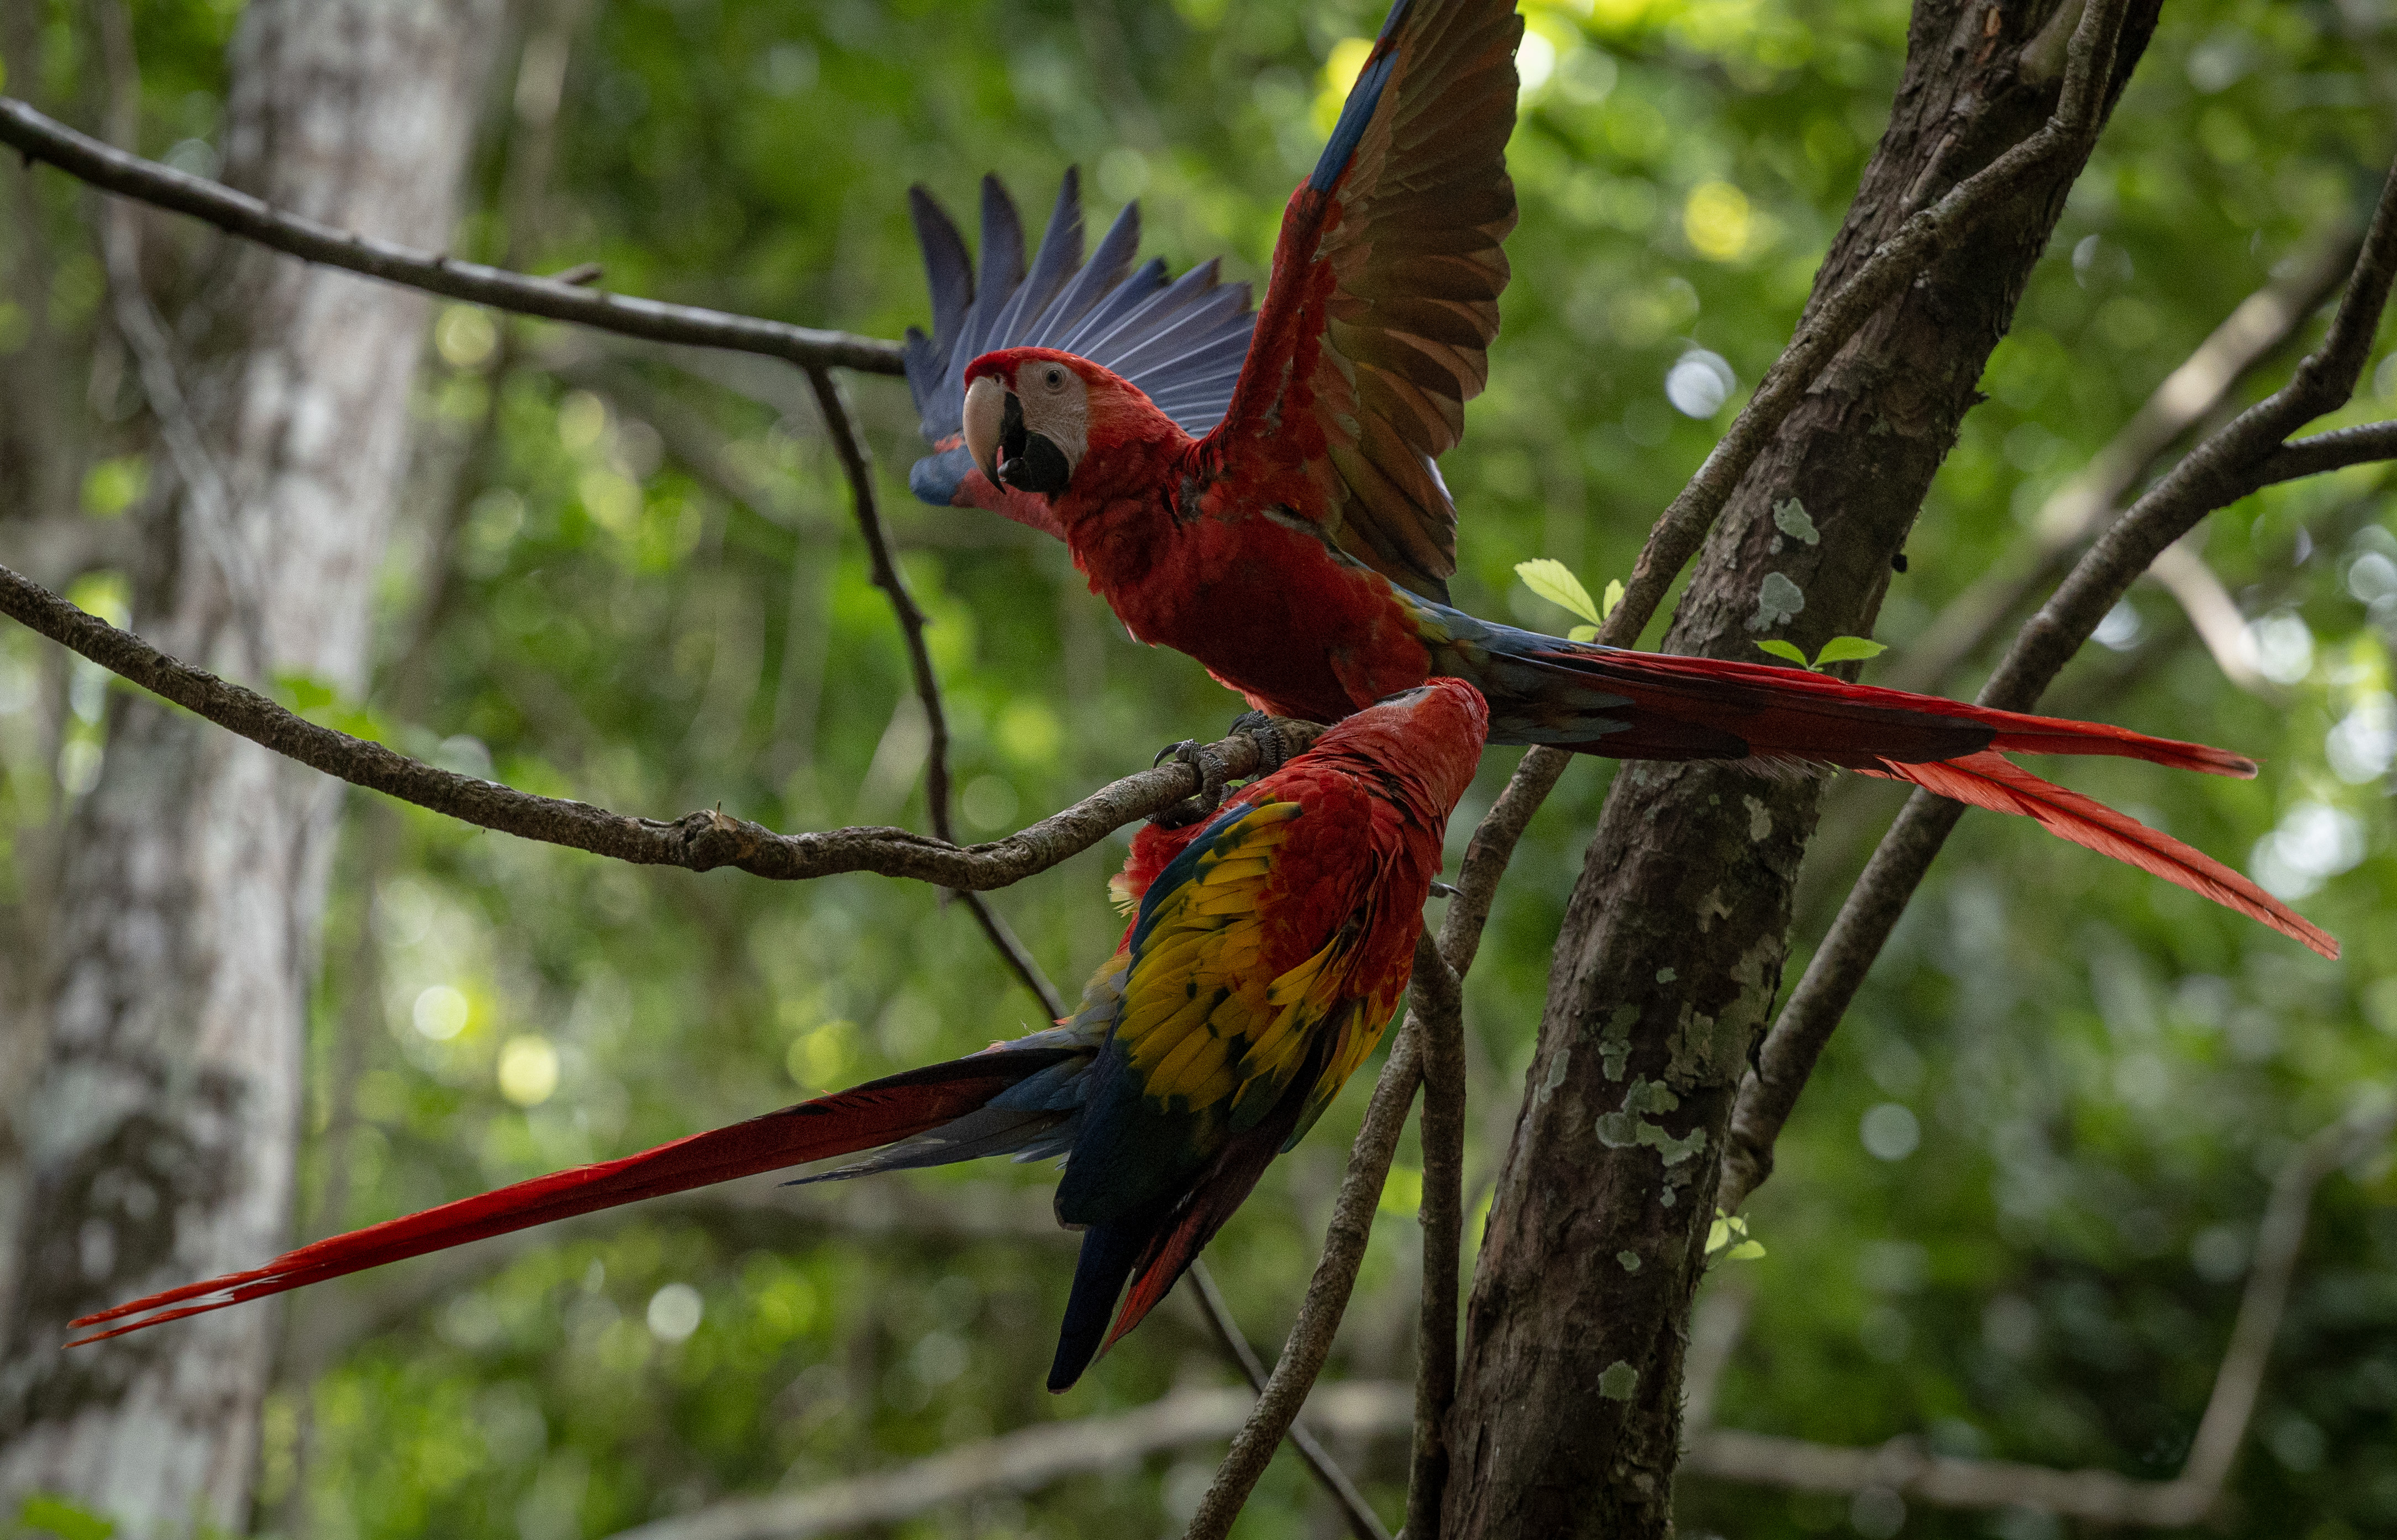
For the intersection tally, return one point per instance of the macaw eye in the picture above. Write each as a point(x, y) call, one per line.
point(1053, 376)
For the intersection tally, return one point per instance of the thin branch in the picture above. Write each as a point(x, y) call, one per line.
point(1015, 1462)
point(2261, 323)
point(208, 495)
point(1827, 327)
point(1326, 1294)
point(1436, 1006)
point(2227, 466)
point(2097, 1496)
point(1362, 1521)
point(39, 137)
point(699, 842)
point(2212, 613)
point(856, 463)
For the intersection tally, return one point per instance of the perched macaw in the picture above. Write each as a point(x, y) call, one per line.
point(1265, 956)
point(1298, 545)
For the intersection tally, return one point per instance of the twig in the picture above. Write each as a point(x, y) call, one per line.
point(2072, 514)
point(1827, 327)
point(2212, 613)
point(1362, 1521)
point(2095, 1496)
point(207, 497)
point(560, 299)
point(1326, 1294)
point(856, 463)
point(1437, 1008)
point(1018, 1462)
point(699, 842)
point(2223, 468)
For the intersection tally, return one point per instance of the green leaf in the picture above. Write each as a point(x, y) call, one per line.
point(1746, 1250)
point(1780, 649)
point(1582, 634)
point(1717, 1235)
point(1613, 598)
point(1554, 581)
point(1841, 650)
point(59, 1516)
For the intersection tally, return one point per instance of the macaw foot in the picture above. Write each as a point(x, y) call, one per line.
point(1273, 749)
point(1213, 774)
point(1273, 752)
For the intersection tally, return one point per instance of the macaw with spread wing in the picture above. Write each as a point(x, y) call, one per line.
point(1282, 521)
point(1265, 957)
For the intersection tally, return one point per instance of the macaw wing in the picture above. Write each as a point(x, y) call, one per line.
point(1182, 341)
point(1384, 299)
point(1215, 1027)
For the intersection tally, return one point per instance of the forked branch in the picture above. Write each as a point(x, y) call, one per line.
point(2249, 452)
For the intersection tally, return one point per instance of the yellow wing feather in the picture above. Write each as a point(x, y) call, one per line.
point(1201, 1029)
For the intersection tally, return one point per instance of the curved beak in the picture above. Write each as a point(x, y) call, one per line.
point(984, 418)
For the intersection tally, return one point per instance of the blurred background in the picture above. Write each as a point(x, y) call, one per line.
point(2014, 1213)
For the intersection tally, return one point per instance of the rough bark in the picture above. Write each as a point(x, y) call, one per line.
point(1568, 1416)
point(161, 1136)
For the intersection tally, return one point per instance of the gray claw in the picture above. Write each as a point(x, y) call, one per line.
point(1273, 749)
point(1211, 778)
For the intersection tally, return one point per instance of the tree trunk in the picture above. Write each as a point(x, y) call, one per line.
point(160, 1138)
point(1568, 1416)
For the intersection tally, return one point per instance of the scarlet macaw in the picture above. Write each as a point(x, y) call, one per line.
point(1299, 547)
point(1266, 954)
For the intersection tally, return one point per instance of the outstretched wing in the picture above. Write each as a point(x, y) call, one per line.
point(1383, 298)
point(1181, 342)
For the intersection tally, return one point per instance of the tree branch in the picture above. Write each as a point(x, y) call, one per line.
point(855, 464)
point(2223, 468)
point(699, 842)
point(1676, 536)
point(2097, 1496)
point(1436, 1006)
point(1827, 327)
point(1327, 1293)
point(1019, 1461)
point(1363, 1523)
point(2262, 322)
point(39, 137)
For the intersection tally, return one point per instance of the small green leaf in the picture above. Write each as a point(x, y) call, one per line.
point(1582, 634)
point(1780, 649)
point(1554, 581)
point(1841, 649)
point(1613, 598)
point(1717, 1235)
point(1746, 1250)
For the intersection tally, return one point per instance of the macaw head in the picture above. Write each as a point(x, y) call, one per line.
point(1430, 735)
point(1035, 416)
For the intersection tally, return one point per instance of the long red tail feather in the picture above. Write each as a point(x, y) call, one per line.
point(1989, 780)
point(870, 1115)
point(1793, 711)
